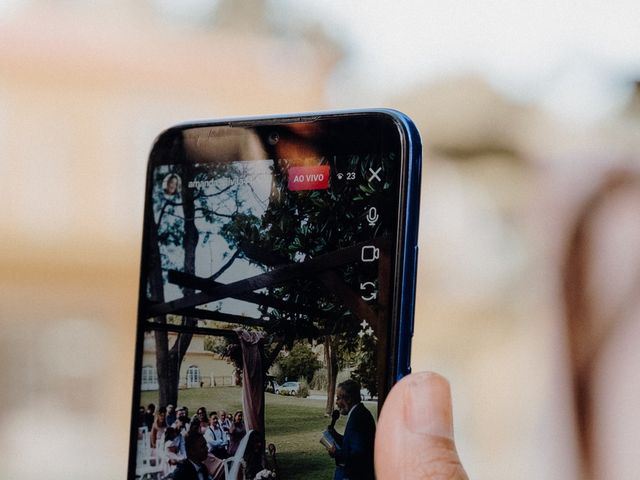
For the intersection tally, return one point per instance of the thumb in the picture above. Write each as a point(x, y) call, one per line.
point(414, 438)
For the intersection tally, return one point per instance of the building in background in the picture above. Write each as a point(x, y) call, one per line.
point(85, 88)
point(200, 367)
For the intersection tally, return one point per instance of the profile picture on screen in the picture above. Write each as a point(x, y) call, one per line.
point(171, 185)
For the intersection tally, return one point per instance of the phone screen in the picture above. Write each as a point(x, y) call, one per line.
point(267, 296)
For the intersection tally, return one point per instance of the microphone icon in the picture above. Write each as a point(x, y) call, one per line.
point(372, 216)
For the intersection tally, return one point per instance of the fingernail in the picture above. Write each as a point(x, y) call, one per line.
point(428, 405)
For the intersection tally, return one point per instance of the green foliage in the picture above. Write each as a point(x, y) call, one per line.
point(276, 372)
point(217, 345)
point(174, 319)
point(303, 392)
point(299, 362)
point(299, 225)
point(243, 227)
point(365, 370)
point(320, 380)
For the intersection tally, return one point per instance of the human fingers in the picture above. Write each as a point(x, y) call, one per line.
point(419, 444)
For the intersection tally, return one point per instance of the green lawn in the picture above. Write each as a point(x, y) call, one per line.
point(293, 424)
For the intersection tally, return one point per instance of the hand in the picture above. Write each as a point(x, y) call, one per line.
point(418, 444)
point(332, 451)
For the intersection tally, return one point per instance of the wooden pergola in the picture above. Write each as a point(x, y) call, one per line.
point(321, 269)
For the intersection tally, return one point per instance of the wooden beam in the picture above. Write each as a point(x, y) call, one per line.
point(203, 314)
point(277, 276)
point(333, 282)
point(205, 285)
point(168, 327)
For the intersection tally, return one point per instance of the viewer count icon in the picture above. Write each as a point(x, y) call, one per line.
point(349, 176)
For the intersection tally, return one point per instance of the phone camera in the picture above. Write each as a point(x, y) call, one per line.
point(273, 138)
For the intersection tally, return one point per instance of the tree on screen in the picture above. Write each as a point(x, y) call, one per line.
point(302, 225)
point(178, 225)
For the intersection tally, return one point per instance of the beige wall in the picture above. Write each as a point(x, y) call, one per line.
point(82, 97)
point(84, 89)
point(213, 370)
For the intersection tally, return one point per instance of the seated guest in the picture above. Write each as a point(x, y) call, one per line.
point(150, 416)
point(225, 421)
point(194, 423)
point(171, 414)
point(181, 424)
point(141, 417)
point(202, 416)
point(216, 438)
point(172, 450)
point(159, 426)
point(193, 467)
point(181, 414)
point(198, 425)
point(180, 427)
point(236, 432)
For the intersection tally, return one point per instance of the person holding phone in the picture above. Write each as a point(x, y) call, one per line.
point(420, 445)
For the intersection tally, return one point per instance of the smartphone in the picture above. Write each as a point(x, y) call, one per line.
point(276, 294)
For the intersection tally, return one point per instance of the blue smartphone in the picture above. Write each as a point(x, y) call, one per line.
point(276, 296)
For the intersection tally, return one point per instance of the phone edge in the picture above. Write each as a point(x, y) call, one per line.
point(406, 267)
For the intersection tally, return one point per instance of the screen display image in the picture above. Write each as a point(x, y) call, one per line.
point(266, 305)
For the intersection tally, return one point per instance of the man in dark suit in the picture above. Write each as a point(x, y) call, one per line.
point(192, 468)
point(354, 451)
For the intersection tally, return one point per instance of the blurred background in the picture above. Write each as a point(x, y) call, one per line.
point(530, 268)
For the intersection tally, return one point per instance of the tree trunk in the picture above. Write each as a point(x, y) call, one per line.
point(331, 361)
point(169, 361)
point(156, 295)
point(168, 374)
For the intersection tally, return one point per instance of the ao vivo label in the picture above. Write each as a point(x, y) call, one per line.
point(309, 178)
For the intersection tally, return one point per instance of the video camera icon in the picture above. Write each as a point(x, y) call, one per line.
point(370, 253)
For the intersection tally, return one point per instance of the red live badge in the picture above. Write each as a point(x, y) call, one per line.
point(309, 178)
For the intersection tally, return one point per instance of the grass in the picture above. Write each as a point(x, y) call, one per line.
point(293, 424)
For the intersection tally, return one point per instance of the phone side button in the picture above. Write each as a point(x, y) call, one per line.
point(413, 287)
point(413, 313)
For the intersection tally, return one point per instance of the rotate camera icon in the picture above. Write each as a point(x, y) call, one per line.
point(370, 253)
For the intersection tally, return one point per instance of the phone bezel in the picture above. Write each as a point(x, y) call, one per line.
point(404, 263)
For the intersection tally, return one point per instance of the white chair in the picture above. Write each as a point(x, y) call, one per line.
point(149, 465)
